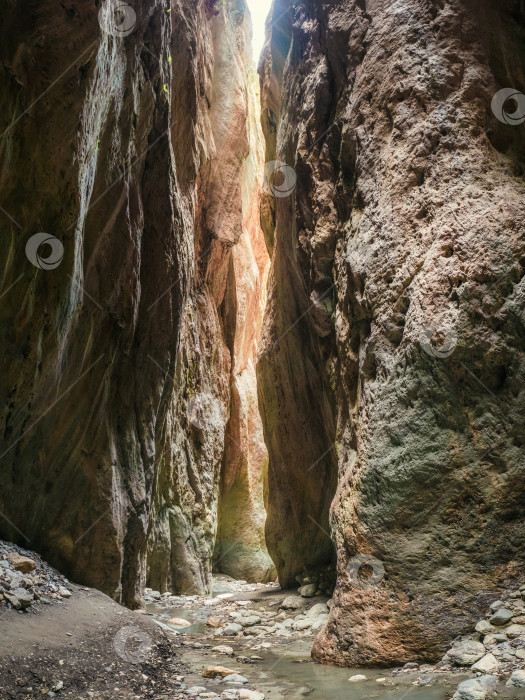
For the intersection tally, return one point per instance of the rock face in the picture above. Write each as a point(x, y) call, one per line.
point(124, 138)
point(240, 549)
point(391, 369)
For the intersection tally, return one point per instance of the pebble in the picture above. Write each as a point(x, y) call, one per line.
point(235, 678)
point(307, 591)
point(223, 649)
point(231, 630)
point(179, 622)
point(501, 617)
point(216, 671)
point(475, 688)
point(466, 652)
point(486, 664)
point(357, 678)
point(516, 680)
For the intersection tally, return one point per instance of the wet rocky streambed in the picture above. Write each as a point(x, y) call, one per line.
point(262, 637)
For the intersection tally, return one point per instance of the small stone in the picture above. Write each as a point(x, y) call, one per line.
point(245, 694)
point(501, 617)
point(519, 620)
point(319, 622)
point(517, 680)
point(466, 653)
point(155, 595)
point(484, 627)
point(293, 602)
point(235, 678)
point(196, 690)
point(475, 689)
point(217, 671)
point(21, 563)
point(223, 649)
point(299, 625)
point(214, 622)
point(357, 678)
point(179, 622)
point(231, 630)
point(317, 609)
point(307, 591)
point(497, 604)
point(520, 653)
point(249, 620)
point(486, 664)
point(64, 593)
point(25, 598)
point(513, 631)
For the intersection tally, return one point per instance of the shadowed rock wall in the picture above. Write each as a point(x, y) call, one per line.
point(124, 135)
point(392, 359)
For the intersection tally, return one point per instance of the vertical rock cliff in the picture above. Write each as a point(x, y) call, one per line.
point(125, 137)
point(391, 367)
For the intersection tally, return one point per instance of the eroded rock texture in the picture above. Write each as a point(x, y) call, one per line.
point(392, 355)
point(131, 148)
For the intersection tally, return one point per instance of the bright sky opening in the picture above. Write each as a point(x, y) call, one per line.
point(259, 10)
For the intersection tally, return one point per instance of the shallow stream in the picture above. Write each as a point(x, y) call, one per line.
point(285, 668)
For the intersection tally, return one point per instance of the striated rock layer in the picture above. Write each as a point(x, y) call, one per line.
point(391, 368)
point(124, 135)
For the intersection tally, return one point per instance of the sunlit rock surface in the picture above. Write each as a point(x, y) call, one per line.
point(126, 139)
point(391, 368)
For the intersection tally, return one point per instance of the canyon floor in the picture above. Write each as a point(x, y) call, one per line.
point(244, 642)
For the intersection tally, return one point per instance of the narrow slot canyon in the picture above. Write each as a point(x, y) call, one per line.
point(263, 365)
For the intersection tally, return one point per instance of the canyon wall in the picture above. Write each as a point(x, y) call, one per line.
point(124, 142)
point(391, 367)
